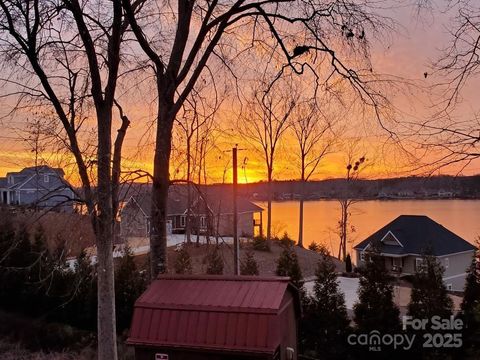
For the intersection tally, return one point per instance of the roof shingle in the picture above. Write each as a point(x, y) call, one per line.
point(418, 233)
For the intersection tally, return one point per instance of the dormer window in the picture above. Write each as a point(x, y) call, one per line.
point(46, 178)
point(390, 239)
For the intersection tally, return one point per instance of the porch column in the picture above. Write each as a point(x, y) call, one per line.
point(261, 224)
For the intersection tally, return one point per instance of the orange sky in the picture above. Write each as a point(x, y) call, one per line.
point(408, 54)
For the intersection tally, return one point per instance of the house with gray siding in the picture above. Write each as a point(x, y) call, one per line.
point(404, 241)
point(211, 212)
point(37, 186)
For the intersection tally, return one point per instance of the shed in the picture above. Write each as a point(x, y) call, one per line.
point(216, 317)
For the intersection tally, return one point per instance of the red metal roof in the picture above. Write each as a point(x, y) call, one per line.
point(211, 312)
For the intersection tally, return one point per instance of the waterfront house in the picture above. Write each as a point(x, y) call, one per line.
point(404, 241)
point(216, 317)
point(210, 212)
point(37, 187)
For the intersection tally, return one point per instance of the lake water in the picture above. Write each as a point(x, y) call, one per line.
point(321, 218)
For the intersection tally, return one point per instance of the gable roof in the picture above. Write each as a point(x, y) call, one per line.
point(417, 233)
point(218, 201)
point(225, 313)
point(29, 175)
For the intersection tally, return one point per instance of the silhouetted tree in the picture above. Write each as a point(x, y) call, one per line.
point(129, 285)
point(80, 308)
point(183, 261)
point(249, 266)
point(429, 295)
point(312, 130)
point(214, 262)
point(471, 294)
point(348, 264)
point(375, 309)
point(287, 265)
point(471, 307)
point(66, 65)
point(325, 324)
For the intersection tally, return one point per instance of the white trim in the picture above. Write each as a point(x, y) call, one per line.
point(449, 287)
point(414, 254)
point(454, 276)
point(20, 185)
point(366, 247)
point(457, 253)
point(389, 232)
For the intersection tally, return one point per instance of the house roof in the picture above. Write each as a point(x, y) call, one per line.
point(212, 312)
point(41, 169)
point(218, 201)
point(29, 175)
point(416, 234)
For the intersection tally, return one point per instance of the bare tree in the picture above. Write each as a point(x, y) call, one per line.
point(353, 168)
point(313, 133)
point(65, 56)
point(298, 35)
point(448, 137)
point(263, 125)
point(196, 122)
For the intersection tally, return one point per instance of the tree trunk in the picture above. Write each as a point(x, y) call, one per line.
point(269, 207)
point(345, 221)
point(188, 225)
point(106, 327)
point(302, 194)
point(300, 220)
point(161, 182)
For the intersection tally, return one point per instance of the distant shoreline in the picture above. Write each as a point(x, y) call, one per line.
point(388, 198)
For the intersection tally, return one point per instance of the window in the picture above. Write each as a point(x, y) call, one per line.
point(203, 222)
point(182, 221)
point(449, 287)
point(447, 263)
point(418, 264)
point(362, 256)
point(45, 178)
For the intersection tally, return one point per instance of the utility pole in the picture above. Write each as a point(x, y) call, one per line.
point(236, 245)
point(236, 242)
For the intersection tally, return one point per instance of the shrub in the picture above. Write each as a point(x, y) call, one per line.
point(325, 322)
point(129, 284)
point(319, 248)
point(183, 261)
point(287, 265)
point(375, 309)
point(314, 246)
point(260, 243)
point(286, 241)
point(214, 262)
point(348, 264)
point(249, 265)
point(429, 296)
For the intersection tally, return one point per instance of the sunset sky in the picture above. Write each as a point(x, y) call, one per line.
point(406, 54)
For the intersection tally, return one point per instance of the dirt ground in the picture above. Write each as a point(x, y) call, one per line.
point(266, 260)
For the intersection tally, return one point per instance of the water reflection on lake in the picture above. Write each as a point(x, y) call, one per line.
point(321, 218)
